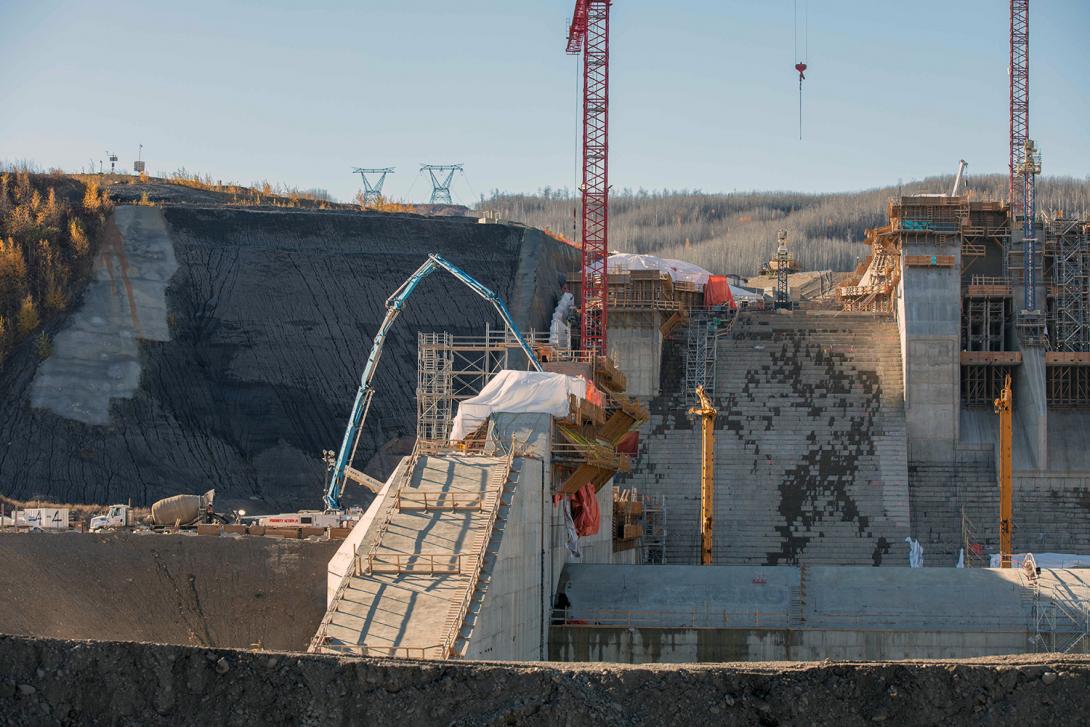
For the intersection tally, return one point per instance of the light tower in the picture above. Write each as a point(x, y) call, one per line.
point(783, 265)
point(589, 35)
point(372, 191)
point(440, 185)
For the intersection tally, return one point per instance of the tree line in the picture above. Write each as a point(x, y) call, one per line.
point(736, 233)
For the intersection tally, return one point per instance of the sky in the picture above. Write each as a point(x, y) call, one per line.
point(703, 92)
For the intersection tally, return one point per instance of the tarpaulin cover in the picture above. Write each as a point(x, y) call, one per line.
point(629, 444)
point(517, 391)
point(678, 270)
point(585, 511)
point(718, 291)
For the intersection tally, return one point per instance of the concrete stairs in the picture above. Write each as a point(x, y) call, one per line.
point(422, 568)
point(811, 462)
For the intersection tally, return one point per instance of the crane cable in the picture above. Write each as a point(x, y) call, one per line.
point(800, 64)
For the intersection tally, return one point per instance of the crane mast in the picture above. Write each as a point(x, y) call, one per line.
point(707, 414)
point(589, 35)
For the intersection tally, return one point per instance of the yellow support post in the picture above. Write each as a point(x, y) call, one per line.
point(1006, 505)
point(707, 414)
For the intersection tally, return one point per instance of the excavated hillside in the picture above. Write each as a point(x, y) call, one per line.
point(219, 346)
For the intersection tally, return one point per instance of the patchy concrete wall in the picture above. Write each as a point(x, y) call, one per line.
point(202, 591)
point(45, 682)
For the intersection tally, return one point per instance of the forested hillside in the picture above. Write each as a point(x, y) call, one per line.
point(737, 232)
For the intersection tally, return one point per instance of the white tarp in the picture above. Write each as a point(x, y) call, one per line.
point(915, 553)
point(679, 270)
point(517, 391)
point(1046, 560)
point(741, 294)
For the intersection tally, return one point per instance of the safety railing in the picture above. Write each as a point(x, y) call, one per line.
point(450, 500)
point(414, 563)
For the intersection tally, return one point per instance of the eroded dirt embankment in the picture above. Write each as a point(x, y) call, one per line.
point(268, 320)
point(203, 591)
point(45, 682)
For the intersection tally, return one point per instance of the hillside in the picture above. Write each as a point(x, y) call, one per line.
point(737, 232)
point(218, 346)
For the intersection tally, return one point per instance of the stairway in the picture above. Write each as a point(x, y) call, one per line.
point(422, 568)
point(811, 462)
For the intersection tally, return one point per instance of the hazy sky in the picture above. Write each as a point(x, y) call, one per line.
point(704, 95)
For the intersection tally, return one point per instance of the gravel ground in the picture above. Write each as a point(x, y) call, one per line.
point(47, 682)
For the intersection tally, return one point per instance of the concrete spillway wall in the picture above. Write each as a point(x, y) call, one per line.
point(201, 591)
point(222, 347)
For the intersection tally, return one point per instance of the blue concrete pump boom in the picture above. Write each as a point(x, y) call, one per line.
point(366, 392)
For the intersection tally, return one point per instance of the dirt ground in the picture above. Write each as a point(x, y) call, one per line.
point(46, 682)
point(202, 591)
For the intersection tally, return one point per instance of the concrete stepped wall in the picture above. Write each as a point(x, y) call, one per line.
point(811, 462)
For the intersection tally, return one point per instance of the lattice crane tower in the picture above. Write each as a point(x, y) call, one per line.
point(589, 35)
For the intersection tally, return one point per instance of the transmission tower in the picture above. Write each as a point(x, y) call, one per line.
point(440, 184)
point(372, 191)
point(589, 35)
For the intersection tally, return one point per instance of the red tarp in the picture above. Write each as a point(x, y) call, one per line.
point(629, 444)
point(585, 512)
point(717, 290)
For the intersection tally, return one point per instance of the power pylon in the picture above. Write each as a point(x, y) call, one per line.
point(440, 184)
point(372, 191)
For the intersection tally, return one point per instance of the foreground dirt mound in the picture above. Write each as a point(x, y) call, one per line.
point(44, 682)
point(202, 591)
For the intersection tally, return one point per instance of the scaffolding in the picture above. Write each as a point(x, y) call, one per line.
point(1067, 240)
point(653, 543)
point(453, 368)
point(700, 354)
point(981, 383)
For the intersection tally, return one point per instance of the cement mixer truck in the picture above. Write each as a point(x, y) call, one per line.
point(179, 511)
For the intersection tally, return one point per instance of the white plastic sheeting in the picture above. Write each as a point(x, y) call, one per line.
point(1046, 560)
point(915, 553)
point(540, 392)
point(559, 330)
point(678, 270)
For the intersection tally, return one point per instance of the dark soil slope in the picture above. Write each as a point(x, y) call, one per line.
point(270, 317)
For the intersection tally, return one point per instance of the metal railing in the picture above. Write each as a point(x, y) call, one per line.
point(415, 500)
point(414, 563)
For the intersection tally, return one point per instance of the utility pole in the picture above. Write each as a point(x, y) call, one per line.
point(440, 185)
point(1003, 407)
point(589, 35)
point(372, 191)
point(707, 414)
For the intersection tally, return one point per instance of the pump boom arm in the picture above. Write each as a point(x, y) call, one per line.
point(366, 390)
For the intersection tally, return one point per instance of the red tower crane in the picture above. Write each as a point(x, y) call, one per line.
point(589, 35)
point(1019, 92)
